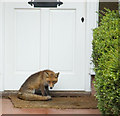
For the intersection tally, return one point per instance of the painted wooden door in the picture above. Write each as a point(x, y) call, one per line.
point(37, 39)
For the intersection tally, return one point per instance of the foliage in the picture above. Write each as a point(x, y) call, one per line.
point(106, 57)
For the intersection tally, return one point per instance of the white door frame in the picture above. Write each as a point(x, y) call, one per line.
point(91, 22)
point(92, 19)
point(1, 46)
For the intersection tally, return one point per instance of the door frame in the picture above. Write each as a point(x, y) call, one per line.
point(91, 23)
point(2, 46)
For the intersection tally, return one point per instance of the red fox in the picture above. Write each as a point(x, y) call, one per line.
point(40, 80)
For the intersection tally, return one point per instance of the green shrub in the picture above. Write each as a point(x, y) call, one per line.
point(106, 47)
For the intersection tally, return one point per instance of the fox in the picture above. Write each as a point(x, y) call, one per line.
point(41, 80)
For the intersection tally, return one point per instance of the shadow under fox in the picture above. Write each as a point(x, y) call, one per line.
point(38, 81)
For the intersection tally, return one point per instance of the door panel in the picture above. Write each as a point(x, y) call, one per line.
point(22, 44)
point(62, 37)
point(27, 40)
point(37, 39)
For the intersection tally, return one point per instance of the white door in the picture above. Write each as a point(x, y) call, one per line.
point(37, 39)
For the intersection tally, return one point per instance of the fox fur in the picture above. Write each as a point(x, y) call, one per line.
point(40, 80)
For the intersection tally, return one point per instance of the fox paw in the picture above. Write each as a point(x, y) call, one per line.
point(49, 97)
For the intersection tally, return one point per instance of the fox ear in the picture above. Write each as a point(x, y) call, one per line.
point(57, 74)
point(46, 74)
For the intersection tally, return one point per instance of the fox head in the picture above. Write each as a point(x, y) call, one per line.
point(51, 78)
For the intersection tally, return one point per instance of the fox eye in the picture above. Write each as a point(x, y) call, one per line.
point(54, 81)
point(48, 81)
point(51, 75)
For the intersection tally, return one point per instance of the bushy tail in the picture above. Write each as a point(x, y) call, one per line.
point(33, 97)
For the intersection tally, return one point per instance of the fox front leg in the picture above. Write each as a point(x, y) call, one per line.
point(47, 90)
point(43, 92)
point(42, 88)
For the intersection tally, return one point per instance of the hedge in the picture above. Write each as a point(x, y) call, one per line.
point(106, 60)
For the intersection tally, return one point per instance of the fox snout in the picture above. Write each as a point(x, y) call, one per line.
point(50, 87)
